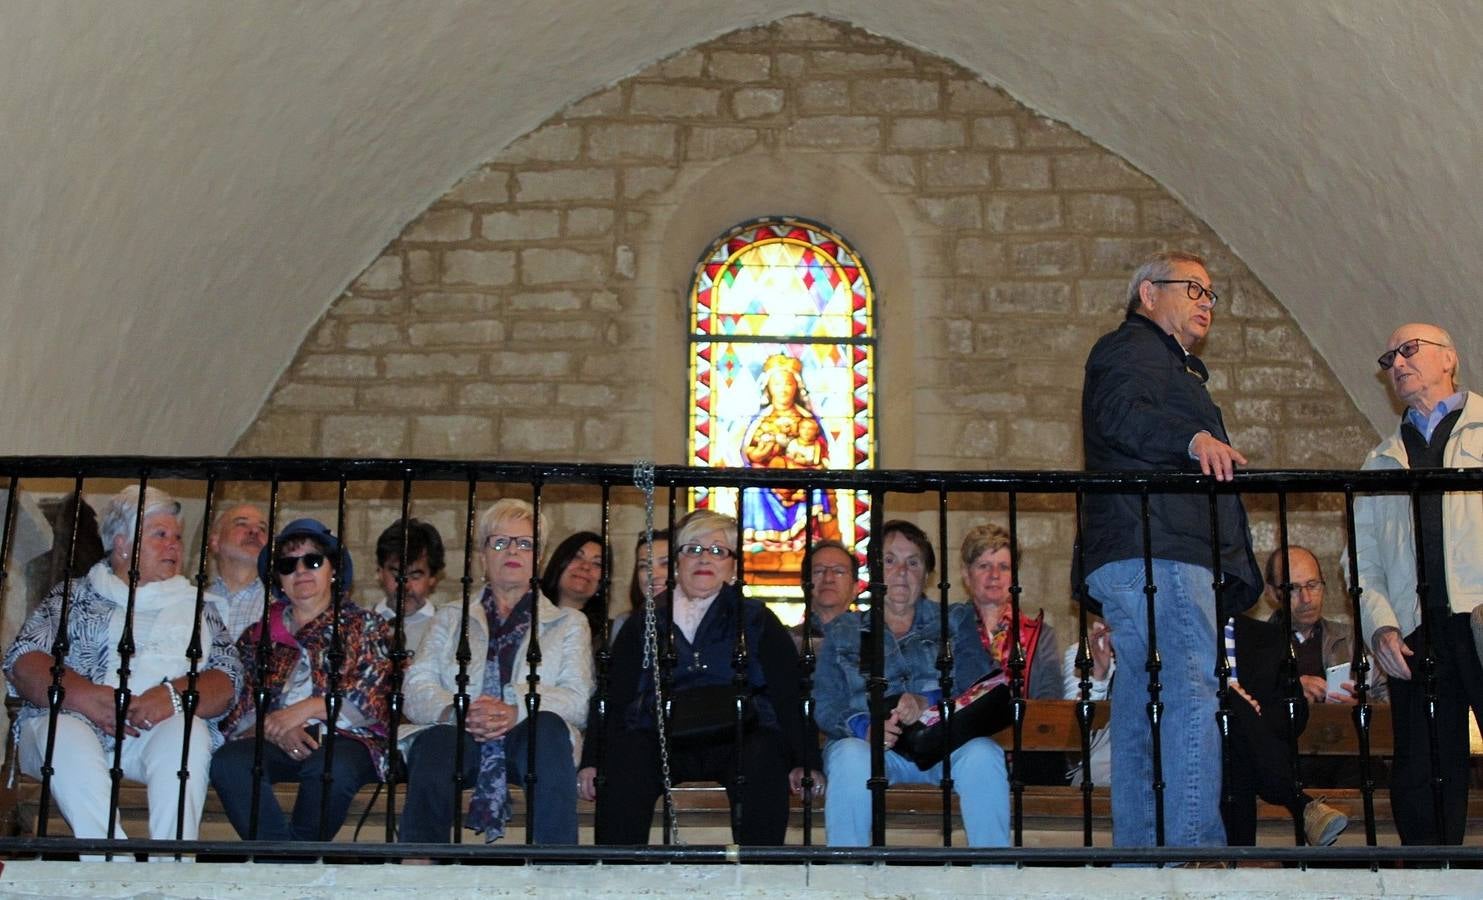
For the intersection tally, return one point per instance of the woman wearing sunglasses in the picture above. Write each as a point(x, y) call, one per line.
point(497, 732)
point(299, 678)
point(702, 725)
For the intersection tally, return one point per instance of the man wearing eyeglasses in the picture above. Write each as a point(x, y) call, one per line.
point(832, 569)
point(1441, 427)
point(1145, 407)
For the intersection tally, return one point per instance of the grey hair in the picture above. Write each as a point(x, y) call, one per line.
point(704, 521)
point(120, 518)
point(1160, 265)
point(1456, 354)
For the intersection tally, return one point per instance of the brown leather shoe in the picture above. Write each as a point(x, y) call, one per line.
point(1322, 824)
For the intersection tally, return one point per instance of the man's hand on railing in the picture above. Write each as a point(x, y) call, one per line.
point(795, 782)
point(1391, 652)
point(1215, 456)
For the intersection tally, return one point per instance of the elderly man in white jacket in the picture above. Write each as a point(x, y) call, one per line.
point(1442, 427)
point(497, 734)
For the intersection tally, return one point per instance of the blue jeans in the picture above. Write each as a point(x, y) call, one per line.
point(1184, 612)
point(979, 777)
point(231, 775)
point(427, 817)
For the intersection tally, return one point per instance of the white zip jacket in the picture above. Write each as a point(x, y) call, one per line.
point(1385, 537)
point(565, 670)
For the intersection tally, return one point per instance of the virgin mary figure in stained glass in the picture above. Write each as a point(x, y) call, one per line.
point(784, 434)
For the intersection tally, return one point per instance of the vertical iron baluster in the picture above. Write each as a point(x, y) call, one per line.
point(1086, 709)
point(1289, 662)
point(667, 661)
point(7, 532)
point(598, 727)
point(1153, 665)
point(739, 685)
point(1361, 676)
point(260, 663)
point(334, 698)
point(807, 662)
point(873, 660)
point(190, 698)
point(61, 646)
point(945, 668)
point(399, 656)
point(121, 695)
point(464, 655)
point(1222, 659)
point(1428, 668)
point(533, 662)
point(1016, 676)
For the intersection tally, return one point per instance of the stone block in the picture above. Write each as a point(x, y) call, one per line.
point(978, 256)
point(1246, 298)
point(502, 394)
point(607, 102)
point(1020, 172)
point(368, 335)
point(423, 266)
point(439, 303)
point(863, 132)
point(719, 142)
point(642, 181)
point(1097, 170)
point(482, 186)
point(686, 64)
point(1168, 214)
point(926, 134)
point(300, 395)
point(385, 274)
point(896, 95)
point(542, 266)
point(599, 434)
point(995, 133)
point(805, 29)
point(404, 396)
point(1099, 296)
point(674, 100)
point(1119, 256)
point(579, 331)
point(828, 96)
point(1041, 212)
point(583, 395)
point(733, 65)
point(547, 301)
point(1278, 340)
point(1033, 297)
point(363, 435)
point(956, 335)
point(1045, 259)
point(559, 185)
point(987, 401)
point(452, 436)
point(1278, 379)
point(522, 225)
point(1263, 409)
point(491, 268)
point(337, 365)
point(347, 305)
point(976, 97)
point(430, 365)
point(531, 363)
point(951, 212)
point(1040, 132)
point(456, 333)
point(589, 221)
point(440, 225)
point(538, 436)
point(981, 438)
point(1101, 212)
point(619, 142)
point(897, 168)
point(1048, 439)
point(750, 103)
point(852, 62)
point(1256, 443)
point(280, 434)
point(605, 301)
point(957, 169)
point(789, 66)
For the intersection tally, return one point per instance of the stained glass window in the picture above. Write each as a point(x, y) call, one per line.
point(782, 362)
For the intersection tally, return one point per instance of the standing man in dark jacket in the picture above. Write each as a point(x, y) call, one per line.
point(1145, 408)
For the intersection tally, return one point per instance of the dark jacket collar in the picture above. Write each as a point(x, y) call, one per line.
point(1192, 363)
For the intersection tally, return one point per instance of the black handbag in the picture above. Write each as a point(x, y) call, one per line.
point(707, 715)
point(981, 711)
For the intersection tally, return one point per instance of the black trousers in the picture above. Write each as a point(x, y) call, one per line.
point(1459, 687)
point(634, 781)
point(1260, 766)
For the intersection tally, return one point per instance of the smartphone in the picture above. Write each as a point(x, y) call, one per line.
point(1337, 675)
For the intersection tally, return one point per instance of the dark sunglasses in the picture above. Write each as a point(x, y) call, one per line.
point(1407, 349)
point(286, 565)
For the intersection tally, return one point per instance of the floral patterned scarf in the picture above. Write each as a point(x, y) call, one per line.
point(489, 808)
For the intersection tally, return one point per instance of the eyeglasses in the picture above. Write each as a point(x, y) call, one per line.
point(1407, 349)
point(716, 550)
point(823, 572)
point(1192, 289)
point(498, 543)
point(287, 565)
point(1313, 587)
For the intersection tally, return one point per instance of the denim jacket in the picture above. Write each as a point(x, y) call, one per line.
point(910, 663)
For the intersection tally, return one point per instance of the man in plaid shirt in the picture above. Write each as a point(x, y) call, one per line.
point(237, 535)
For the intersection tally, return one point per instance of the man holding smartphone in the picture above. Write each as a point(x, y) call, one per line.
point(1324, 646)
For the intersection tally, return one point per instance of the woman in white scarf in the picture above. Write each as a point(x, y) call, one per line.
point(154, 727)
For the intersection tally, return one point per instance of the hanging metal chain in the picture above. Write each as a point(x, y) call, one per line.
point(643, 478)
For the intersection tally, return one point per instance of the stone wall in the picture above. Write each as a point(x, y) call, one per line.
point(537, 309)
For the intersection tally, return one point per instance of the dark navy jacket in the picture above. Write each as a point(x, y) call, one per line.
point(1142, 402)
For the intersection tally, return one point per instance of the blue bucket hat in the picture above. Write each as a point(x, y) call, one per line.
point(311, 528)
